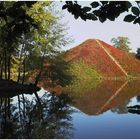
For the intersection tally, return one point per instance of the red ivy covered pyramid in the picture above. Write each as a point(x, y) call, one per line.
point(106, 59)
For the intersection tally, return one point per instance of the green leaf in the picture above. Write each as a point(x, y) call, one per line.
point(76, 16)
point(64, 7)
point(137, 21)
point(129, 18)
point(135, 11)
point(102, 19)
point(111, 17)
point(104, 2)
point(128, 4)
point(91, 16)
point(86, 9)
point(97, 12)
point(83, 17)
point(94, 4)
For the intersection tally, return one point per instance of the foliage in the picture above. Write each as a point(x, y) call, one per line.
point(121, 43)
point(14, 71)
point(60, 71)
point(103, 10)
point(94, 55)
point(47, 40)
point(55, 72)
point(38, 41)
point(138, 53)
point(15, 20)
point(85, 77)
point(14, 23)
point(128, 62)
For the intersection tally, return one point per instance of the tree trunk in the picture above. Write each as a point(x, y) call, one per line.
point(19, 108)
point(0, 67)
point(37, 77)
point(9, 65)
point(5, 108)
point(24, 106)
point(19, 69)
point(41, 69)
point(24, 70)
point(1, 70)
point(9, 111)
point(5, 63)
point(1, 101)
point(38, 99)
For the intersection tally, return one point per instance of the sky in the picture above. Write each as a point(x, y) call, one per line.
point(82, 30)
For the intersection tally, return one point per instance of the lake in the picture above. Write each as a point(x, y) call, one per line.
point(109, 110)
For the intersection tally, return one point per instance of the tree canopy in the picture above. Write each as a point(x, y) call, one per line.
point(31, 34)
point(138, 53)
point(121, 43)
point(103, 10)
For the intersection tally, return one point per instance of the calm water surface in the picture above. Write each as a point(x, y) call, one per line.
point(111, 110)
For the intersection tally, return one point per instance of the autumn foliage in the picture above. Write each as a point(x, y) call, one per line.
point(93, 54)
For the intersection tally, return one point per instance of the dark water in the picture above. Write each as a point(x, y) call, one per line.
point(111, 110)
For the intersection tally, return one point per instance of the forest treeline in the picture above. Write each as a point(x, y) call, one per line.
point(30, 36)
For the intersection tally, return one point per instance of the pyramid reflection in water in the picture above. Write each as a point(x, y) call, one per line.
point(107, 95)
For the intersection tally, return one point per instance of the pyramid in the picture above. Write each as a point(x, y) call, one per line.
point(106, 59)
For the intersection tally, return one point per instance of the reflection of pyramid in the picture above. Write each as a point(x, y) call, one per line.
point(107, 95)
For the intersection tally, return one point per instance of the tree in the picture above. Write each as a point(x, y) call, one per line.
point(138, 53)
point(121, 109)
point(121, 43)
point(14, 23)
point(103, 10)
point(46, 41)
point(29, 37)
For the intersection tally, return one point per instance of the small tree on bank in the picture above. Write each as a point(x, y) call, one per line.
point(138, 53)
point(121, 43)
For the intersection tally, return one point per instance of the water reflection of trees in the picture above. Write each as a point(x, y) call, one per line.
point(121, 109)
point(30, 119)
point(138, 98)
point(134, 109)
point(108, 95)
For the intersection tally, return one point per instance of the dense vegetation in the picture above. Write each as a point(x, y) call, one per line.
point(31, 35)
point(85, 77)
point(97, 55)
point(125, 59)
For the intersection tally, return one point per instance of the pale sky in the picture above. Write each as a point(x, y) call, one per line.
point(82, 30)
